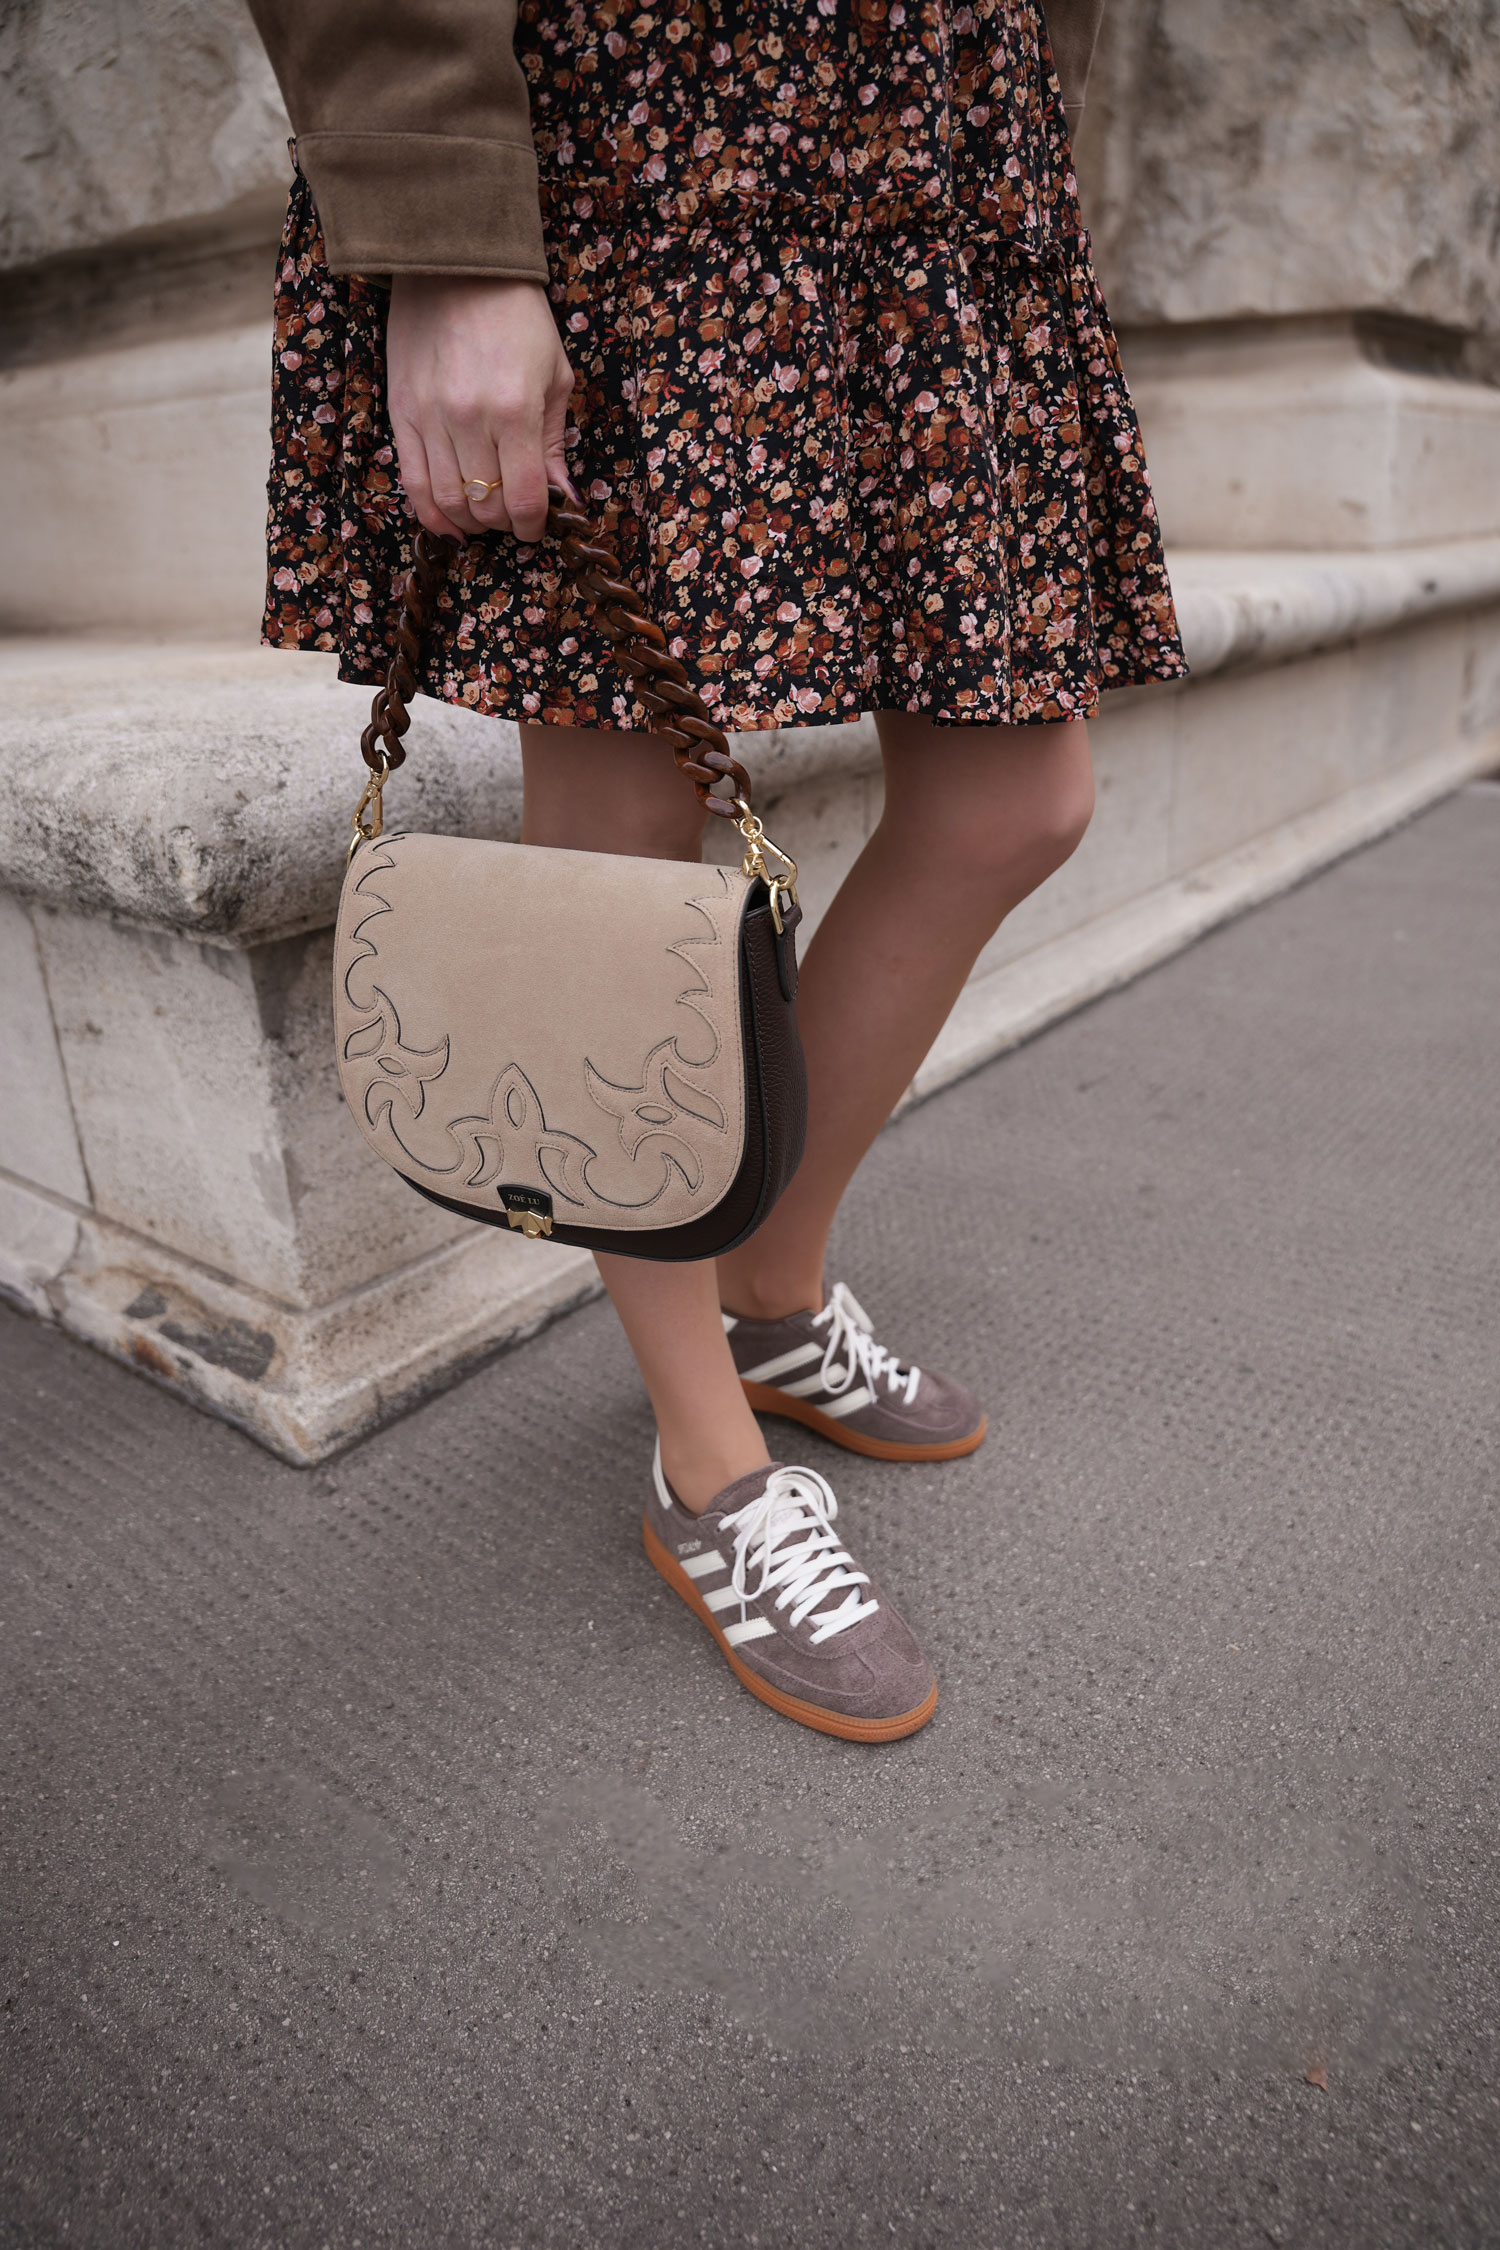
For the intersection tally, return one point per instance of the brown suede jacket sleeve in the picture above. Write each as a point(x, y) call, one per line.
point(414, 130)
point(1073, 28)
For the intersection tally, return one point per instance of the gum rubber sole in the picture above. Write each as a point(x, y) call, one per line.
point(764, 1398)
point(790, 1706)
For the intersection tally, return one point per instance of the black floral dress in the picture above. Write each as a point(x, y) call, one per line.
point(846, 390)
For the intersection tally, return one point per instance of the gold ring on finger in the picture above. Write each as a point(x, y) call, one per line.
point(477, 489)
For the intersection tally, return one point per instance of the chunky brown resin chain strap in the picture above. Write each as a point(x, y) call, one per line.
point(679, 714)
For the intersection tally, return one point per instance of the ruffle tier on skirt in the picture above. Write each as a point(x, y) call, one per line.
point(847, 396)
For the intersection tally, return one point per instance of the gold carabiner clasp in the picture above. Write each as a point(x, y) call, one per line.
point(365, 831)
point(783, 888)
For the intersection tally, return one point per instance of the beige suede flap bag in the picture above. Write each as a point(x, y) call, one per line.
point(578, 1045)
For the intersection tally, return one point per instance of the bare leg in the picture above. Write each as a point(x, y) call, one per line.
point(975, 819)
point(622, 793)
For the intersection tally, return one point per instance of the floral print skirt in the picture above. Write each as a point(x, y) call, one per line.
point(846, 392)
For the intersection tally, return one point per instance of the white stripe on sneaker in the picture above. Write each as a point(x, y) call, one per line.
point(827, 1401)
point(753, 1629)
point(722, 1597)
point(699, 1566)
point(783, 1365)
point(836, 1408)
point(830, 1402)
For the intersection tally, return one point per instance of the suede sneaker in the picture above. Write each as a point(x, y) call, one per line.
point(826, 1370)
point(799, 1622)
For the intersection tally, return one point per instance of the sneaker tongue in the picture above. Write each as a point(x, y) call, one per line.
point(740, 1494)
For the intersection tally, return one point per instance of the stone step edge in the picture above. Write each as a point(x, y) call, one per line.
point(302, 1381)
point(217, 807)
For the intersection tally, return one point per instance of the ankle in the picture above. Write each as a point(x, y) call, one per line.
point(697, 1473)
point(774, 1297)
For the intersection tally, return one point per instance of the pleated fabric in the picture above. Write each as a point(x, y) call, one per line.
point(847, 395)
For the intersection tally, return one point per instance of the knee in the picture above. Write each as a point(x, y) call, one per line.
point(1016, 844)
point(1060, 818)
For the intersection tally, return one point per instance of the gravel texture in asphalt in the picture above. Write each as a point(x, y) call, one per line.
point(387, 1858)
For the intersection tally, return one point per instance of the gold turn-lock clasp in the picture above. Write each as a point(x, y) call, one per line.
point(365, 831)
point(783, 888)
point(533, 1224)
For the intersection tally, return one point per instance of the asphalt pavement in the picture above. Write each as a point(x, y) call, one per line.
point(387, 1859)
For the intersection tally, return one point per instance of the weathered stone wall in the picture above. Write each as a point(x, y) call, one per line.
point(123, 115)
point(1297, 156)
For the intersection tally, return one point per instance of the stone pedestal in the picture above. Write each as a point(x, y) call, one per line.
point(1314, 434)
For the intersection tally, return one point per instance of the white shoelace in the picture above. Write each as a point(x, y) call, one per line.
point(851, 1338)
point(787, 1535)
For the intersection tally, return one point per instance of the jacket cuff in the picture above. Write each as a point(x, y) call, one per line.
point(425, 203)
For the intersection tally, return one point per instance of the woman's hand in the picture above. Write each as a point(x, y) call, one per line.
point(479, 387)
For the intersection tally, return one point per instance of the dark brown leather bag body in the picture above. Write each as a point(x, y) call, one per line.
point(593, 1048)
